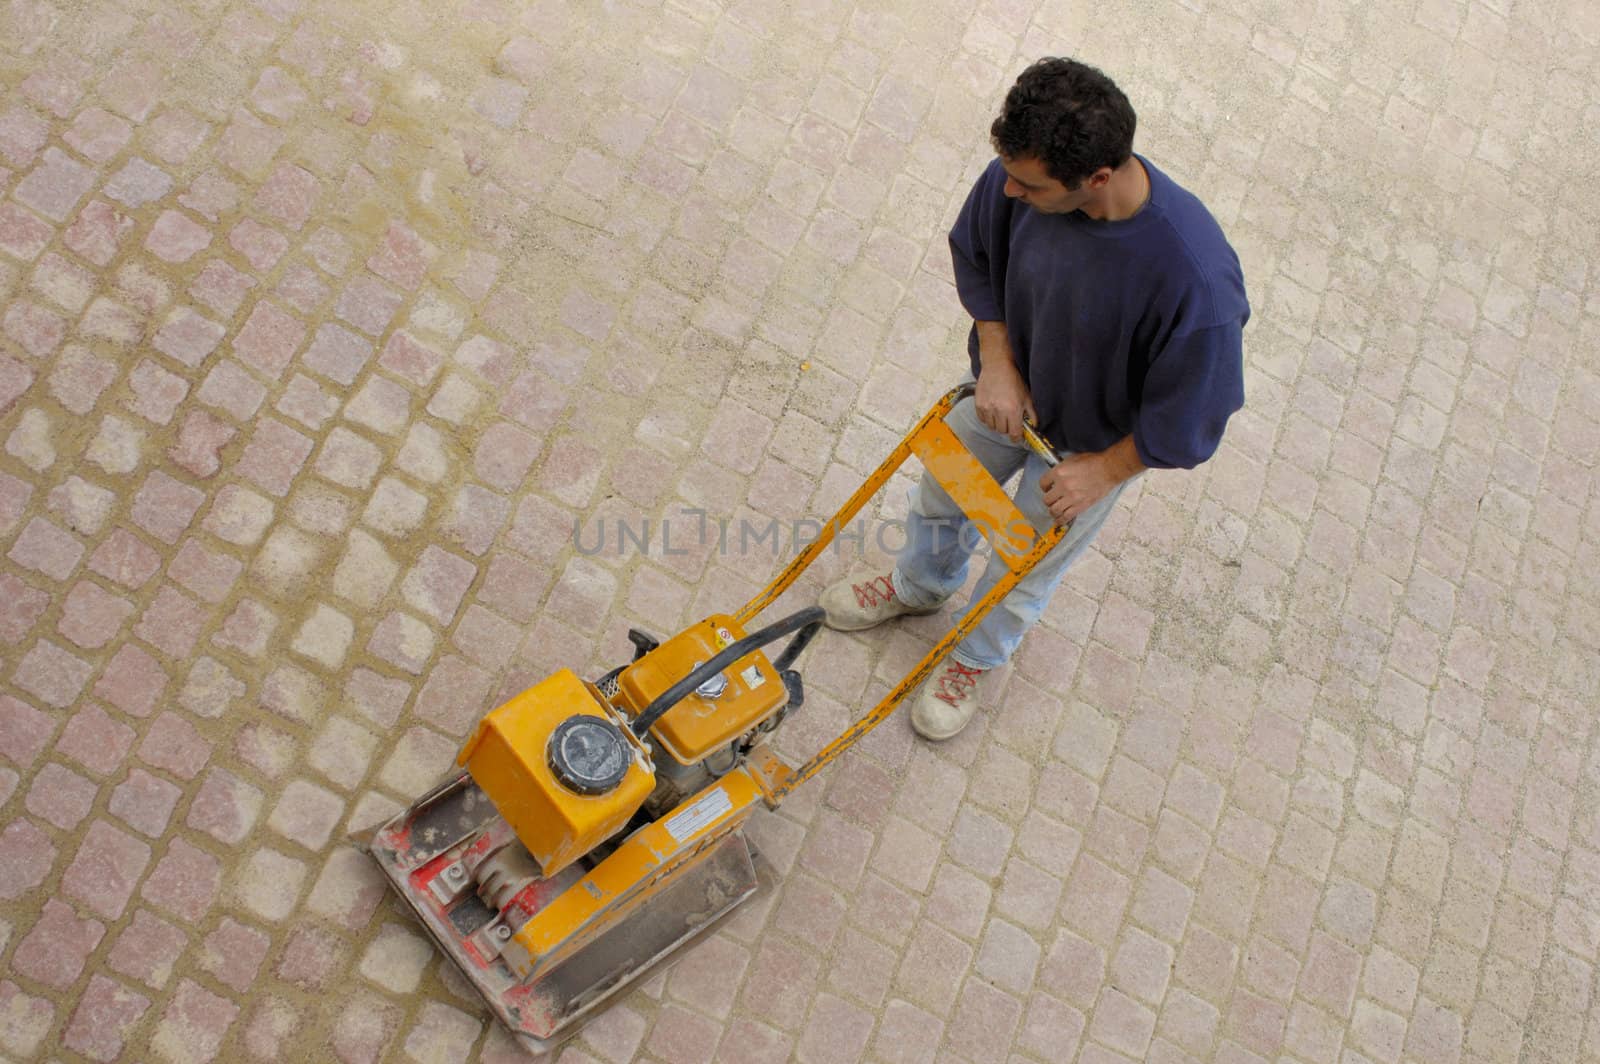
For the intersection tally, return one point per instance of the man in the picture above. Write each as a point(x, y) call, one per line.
point(1107, 309)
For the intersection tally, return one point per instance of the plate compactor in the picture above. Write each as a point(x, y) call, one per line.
point(593, 829)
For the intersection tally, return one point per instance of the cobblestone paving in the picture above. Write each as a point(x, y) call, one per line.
point(325, 325)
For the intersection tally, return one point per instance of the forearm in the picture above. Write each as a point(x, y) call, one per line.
point(1121, 460)
point(994, 345)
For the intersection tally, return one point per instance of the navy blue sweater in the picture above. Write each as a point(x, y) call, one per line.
point(1119, 328)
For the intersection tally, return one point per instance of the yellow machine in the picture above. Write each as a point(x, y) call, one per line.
point(593, 828)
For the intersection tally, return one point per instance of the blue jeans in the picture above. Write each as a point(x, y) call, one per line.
point(939, 539)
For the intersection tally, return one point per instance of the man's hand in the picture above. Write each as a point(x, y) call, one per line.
point(1081, 480)
point(1002, 398)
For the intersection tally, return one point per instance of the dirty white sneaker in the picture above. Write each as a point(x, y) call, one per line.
point(947, 701)
point(864, 602)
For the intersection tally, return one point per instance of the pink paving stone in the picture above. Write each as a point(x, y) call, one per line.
point(176, 238)
point(273, 456)
point(402, 641)
point(125, 559)
point(368, 304)
point(46, 548)
point(571, 471)
point(288, 195)
point(55, 949)
point(156, 393)
point(185, 881)
point(145, 802)
point(15, 378)
point(231, 389)
point(107, 867)
point(402, 258)
point(233, 953)
point(504, 455)
point(309, 960)
point(329, 250)
point(455, 695)
point(269, 339)
point(24, 1021)
point(221, 287)
point(349, 459)
point(138, 182)
point(683, 1037)
point(14, 495)
point(348, 890)
point(188, 337)
point(24, 731)
point(133, 86)
point(337, 353)
point(382, 405)
point(109, 320)
point(91, 616)
point(406, 356)
point(308, 404)
point(174, 135)
point(58, 84)
point(27, 855)
point(95, 740)
point(534, 401)
point(21, 604)
point(98, 134)
point(132, 682)
point(277, 94)
point(52, 674)
point(36, 329)
point(491, 360)
point(248, 629)
point(260, 245)
point(211, 196)
point(147, 949)
point(22, 236)
point(96, 232)
point(248, 144)
point(302, 288)
point(60, 796)
point(363, 1029)
point(513, 587)
point(378, 698)
point(200, 442)
point(63, 282)
point(306, 814)
point(225, 807)
point(175, 745)
point(475, 277)
point(172, 623)
point(207, 573)
point(476, 517)
point(837, 1031)
point(22, 134)
point(54, 187)
point(164, 506)
point(106, 1014)
point(194, 1024)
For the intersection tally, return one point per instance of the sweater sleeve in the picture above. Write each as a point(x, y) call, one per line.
point(973, 252)
point(1193, 385)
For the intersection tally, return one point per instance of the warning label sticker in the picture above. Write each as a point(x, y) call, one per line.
point(752, 677)
point(705, 810)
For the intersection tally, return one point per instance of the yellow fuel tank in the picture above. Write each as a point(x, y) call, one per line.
point(510, 757)
point(703, 723)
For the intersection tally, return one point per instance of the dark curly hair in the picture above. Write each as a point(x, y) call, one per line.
point(1069, 116)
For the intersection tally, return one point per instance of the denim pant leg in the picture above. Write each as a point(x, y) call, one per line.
point(925, 575)
point(932, 565)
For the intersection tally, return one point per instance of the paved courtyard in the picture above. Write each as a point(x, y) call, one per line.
point(326, 326)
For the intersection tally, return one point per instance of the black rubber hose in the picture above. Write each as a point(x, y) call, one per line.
point(807, 621)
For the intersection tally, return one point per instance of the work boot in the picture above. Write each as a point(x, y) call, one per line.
point(947, 701)
point(853, 606)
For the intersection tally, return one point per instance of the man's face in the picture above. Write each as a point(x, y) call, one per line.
point(1028, 180)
